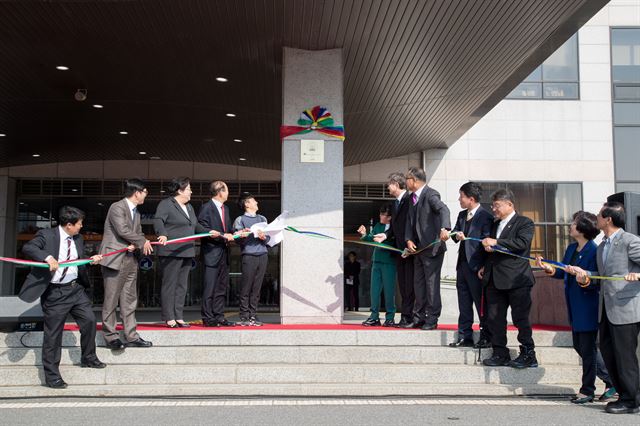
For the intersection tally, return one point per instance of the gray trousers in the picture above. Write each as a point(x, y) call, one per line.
point(120, 289)
point(426, 285)
point(175, 280)
point(253, 270)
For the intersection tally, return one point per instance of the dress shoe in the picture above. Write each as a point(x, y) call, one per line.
point(246, 322)
point(226, 323)
point(618, 407)
point(139, 343)
point(402, 323)
point(428, 327)
point(172, 324)
point(183, 324)
point(116, 345)
point(389, 323)
point(497, 361)
point(464, 343)
point(371, 322)
point(94, 363)
point(608, 394)
point(482, 344)
point(255, 322)
point(57, 384)
point(526, 359)
point(413, 324)
point(582, 399)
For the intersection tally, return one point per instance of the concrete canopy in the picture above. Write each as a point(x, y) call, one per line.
point(417, 73)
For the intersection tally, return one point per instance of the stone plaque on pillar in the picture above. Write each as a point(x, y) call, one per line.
point(312, 192)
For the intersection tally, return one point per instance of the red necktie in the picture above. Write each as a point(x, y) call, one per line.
point(224, 226)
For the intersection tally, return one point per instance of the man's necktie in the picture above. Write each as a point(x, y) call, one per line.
point(64, 270)
point(133, 213)
point(224, 225)
point(414, 198)
point(469, 215)
point(396, 205)
point(605, 249)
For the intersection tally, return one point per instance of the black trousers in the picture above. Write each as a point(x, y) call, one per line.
point(498, 301)
point(469, 289)
point(253, 270)
point(584, 342)
point(404, 266)
point(426, 285)
point(216, 283)
point(175, 280)
point(352, 295)
point(57, 302)
point(618, 344)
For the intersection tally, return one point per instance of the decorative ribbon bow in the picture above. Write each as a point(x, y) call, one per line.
point(315, 119)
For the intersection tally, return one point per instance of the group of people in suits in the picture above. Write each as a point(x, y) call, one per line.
point(62, 289)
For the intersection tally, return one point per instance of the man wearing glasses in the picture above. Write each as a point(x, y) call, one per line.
point(429, 220)
point(123, 229)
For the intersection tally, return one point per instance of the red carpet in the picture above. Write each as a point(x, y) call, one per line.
point(450, 327)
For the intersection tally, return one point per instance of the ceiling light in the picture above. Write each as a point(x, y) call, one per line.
point(154, 158)
point(143, 153)
point(100, 204)
point(237, 140)
point(162, 191)
point(36, 155)
point(230, 114)
point(124, 133)
point(74, 190)
point(2, 135)
point(222, 79)
point(98, 106)
point(62, 68)
point(45, 212)
point(21, 203)
point(242, 159)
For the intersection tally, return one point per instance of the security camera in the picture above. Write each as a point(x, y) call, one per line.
point(80, 95)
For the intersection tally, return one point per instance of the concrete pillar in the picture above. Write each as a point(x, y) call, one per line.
point(312, 269)
point(7, 233)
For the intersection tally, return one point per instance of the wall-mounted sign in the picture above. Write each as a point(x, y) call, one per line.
point(311, 151)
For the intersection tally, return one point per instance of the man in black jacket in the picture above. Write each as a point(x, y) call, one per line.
point(428, 221)
point(62, 292)
point(474, 221)
point(508, 282)
point(215, 252)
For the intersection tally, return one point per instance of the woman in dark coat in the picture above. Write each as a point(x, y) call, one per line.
point(582, 305)
point(175, 218)
point(351, 281)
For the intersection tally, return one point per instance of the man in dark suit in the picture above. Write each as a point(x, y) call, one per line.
point(62, 292)
point(215, 251)
point(396, 185)
point(474, 221)
point(508, 281)
point(428, 221)
point(123, 229)
point(619, 308)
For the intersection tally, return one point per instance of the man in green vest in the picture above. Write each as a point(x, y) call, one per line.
point(383, 273)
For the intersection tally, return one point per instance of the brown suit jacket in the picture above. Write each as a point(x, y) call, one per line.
point(119, 232)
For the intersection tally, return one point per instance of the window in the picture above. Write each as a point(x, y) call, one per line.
point(556, 78)
point(625, 72)
point(549, 205)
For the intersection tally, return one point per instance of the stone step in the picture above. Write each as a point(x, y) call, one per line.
point(310, 374)
point(238, 336)
point(194, 355)
point(291, 390)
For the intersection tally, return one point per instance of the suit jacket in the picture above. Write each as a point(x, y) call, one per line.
point(171, 221)
point(480, 227)
point(508, 272)
point(120, 231)
point(620, 298)
point(213, 249)
point(45, 243)
point(399, 218)
point(582, 303)
point(425, 220)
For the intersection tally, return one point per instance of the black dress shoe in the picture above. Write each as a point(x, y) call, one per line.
point(482, 343)
point(57, 384)
point(94, 363)
point(526, 359)
point(139, 343)
point(370, 322)
point(413, 324)
point(497, 361)
point(226, 323)
point(402, 323)
point(582, 399)
point(428, 327)
point(618, 407)
point(462, 343)
point(389, 323)
point(183, 324)
point(116, 345)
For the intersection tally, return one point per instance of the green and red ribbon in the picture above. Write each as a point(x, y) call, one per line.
point(317, 119)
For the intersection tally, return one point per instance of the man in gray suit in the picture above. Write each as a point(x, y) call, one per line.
point(619, 311)
point(428, 221)
point(122, 229)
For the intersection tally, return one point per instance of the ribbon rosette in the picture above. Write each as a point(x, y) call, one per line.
point(316, 119)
